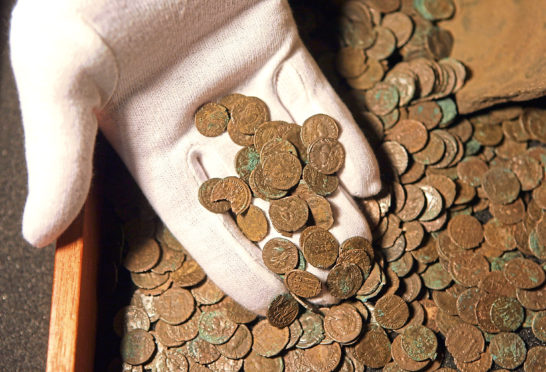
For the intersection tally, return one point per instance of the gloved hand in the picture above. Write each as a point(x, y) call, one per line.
point(139, 70)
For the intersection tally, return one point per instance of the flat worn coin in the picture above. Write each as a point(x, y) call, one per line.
point(215, 327)
point(281, 170)
point(280, 255)
point(405, 83)
point(344, 280)
point(246, 161)
point(149, 280)
point(444, 185)
point(465, 342)
point(391, 312)
point(238, 137)
point(248, 113)
point(434, 203)
point(313, 331)
point(201, 351)
point(238, 345)
point(524, 273)
point(318, 126)
point(320, 248)
point(373, 74)
point(374, 348)
point(256, 181)
point(412, 134)
point(320, 183)
point(415, 203)
point(471, 170)
point(277, 145)
point(507, 314)
point(501, 185)
point(229, 101)
point(382, 98)
point(268, 339)
point(436, 277)
point(396, 155)
point(401, 25)
point(508, 350)
point(419, 342)
point(302, 283)
point(170, 260)
point(468, 268)
point(539, 326)
point(433, 152)
point(465, 231)
point(508, 214)
point(533, 120)
point(129, 318)
point(288, 214)
point(234, 190)
point(189, 274)
point(403, 265)
point(142, 255)
point(358, 257)
point(483, 313)
point(483, 364)
point(429, 113)
point(266, 132)
point(253, 223)
point(528, 171)
point(323, 358)
point(535, 359)
point(358, 242)
point(207, 293)
point(211, 119)
point(236, 312)
point(321, 211)
point(412, 286)
point(295, 333)
point(414, 233)
point(351, 61)
point(495, 282)
point(205, 192)
point(384, 45)
point(326, 155)
point(403, 360)
point(175, 305)
point(257, 363)
point(282, 310)
point(343, 323)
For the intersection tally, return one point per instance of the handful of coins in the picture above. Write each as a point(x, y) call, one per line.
point(294, 169)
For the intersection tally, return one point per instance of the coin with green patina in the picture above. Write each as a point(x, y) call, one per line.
point(215, 327)
point(508, 350)
point(507, 314)
point(419, 342)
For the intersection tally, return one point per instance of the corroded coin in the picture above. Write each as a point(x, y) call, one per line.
point(215, 327)
point(302, 283)
point(201, 351)
point(129, 318)
point(205, 192)
point(419, 342)
point(343, 323)
point(465, 342)
point(359, 257)
point(391, 312)
point(539, 326)
point(400, 24)
point(207, 293)
point(281, 170)
point(142, 255)
point(468, 268)
point(253, 223)
point(321, 211)
point(234, 190)
point(524, 273)
point(344, 280)
point(403, 360)
point(466, 305)
point(507, 314)
point(318, 126)
point(320, 183)
point(175, 305)
point(412, 134)
point(246, 161)
point(190, 273)
point(211, 119)
point(535, 359)
point(374, 348)
point(320, 248)
point(280, 255)
point(326, 155)
point(501, 185)
point(277, 145)
point(508, 350)
point(313, 330)
point(137, 347)
point(288, 214)
point(248, 113)
point(466, 231)
point(282, 310)
point(238, 345)
point(269, 340)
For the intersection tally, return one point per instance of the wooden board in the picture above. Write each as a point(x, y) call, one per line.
point(71, 345)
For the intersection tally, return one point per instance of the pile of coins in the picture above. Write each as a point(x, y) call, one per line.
point(455, 276)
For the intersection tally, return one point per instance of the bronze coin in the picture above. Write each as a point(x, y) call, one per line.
point(403, 360)
point(434, 203)
point(238, 137)
point(149, 280)
point(374, 348)
point(471, 170)
point(465, 342)
point(373, 73)
point(384, 45)
point(215, 327)
point(444, 185)
point(207, 293)
point(277, 145)
point(288, 214)
point(483, 313)
point(412, 285)
point(414, 234)
point(238, 345)
point(415, 203)
point(358, 242)
point(499, 235)
point(302, 283)
point(501, 185)
point(358, 257)
point(282, 310)
point(468, 268)
point(466, 305)
point(137, 347)
point(175, 305)
point(248, 113)
point(351, 61)
point(318, 126)
point(211, 119)
point(495, 283)
point(506, 314)
point(400, 24)
point(257, 363)
point(344, 280)
point(534, 299)
point(428, 113)
point(205, 192)
point(313, 331)
point(483, 364)
point(343, 323)
point(142, 255)
point(201, 351)
point(413, 173)
point(280, 255)
point(436, 277)
point(253, 223)
point(510, 213)
point(323, 358)
point(281, 170)
point(326, 155)
point(391, 312)
point(524, 273)
point(320, 248)
point(236, 312)
point(466, 231)
point(536, 357)
point(269, 340)
point(412, 134)
point(246, 161)
point(189, 274)
point(396, 155)
point(419, 343)
point(539, 326)
point(320, 183)
point(236, 191)
point(508, 350)
point(256, 181)
point(321, 211)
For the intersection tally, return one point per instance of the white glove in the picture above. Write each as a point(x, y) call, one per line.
point(138, 70)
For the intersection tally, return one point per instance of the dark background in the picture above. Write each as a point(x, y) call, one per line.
point(26, 273)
